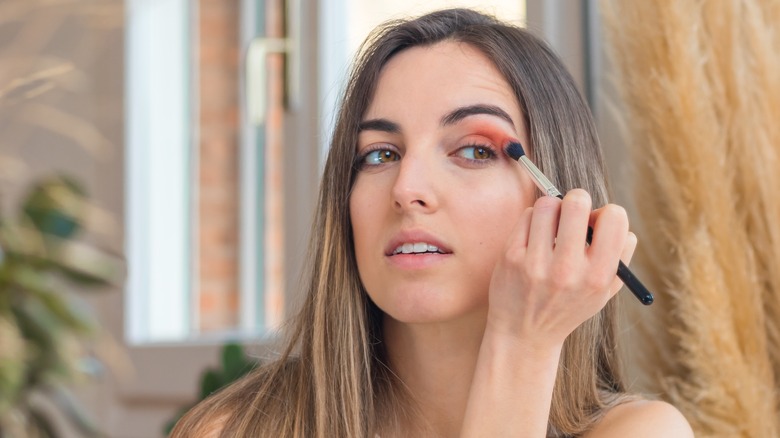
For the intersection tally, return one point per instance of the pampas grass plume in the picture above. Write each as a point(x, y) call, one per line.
point(701, 82)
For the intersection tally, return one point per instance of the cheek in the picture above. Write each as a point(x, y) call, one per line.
point(357, 219)
point(491, 220)
point(363, 209)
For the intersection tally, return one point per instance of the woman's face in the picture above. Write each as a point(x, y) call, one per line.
point(436, 197)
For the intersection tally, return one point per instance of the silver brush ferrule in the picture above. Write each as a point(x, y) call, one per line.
point(541, 181)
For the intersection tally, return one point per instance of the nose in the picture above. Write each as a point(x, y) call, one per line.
point(415, 186)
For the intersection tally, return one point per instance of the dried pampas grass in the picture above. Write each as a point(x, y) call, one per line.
point(701, 82)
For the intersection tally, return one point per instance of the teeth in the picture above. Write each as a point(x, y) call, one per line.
point(416, 248)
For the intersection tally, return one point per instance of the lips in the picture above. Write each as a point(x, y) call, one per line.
point(411, 242)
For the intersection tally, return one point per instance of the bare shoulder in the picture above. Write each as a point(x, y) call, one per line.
point(642, 418)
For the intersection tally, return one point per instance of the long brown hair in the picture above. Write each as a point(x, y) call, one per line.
point(331, 379)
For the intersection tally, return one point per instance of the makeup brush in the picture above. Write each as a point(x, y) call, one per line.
point(515, 150)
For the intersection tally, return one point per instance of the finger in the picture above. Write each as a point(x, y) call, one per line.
point(520, 233)
point(628, 253)
point(610, 231)
point(544, 225)
point(573, 225)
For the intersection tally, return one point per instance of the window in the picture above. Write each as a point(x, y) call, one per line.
point(204, 219)
point(159, 163)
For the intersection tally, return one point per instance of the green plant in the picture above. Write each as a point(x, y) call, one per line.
point(235, 364)
point(49, 338)
point(45, 327)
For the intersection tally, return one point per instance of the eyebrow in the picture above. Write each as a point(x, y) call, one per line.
point(383, 125)
point(450, 118)
point(461, 113)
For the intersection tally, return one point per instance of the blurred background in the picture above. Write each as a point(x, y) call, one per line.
point(186, 137)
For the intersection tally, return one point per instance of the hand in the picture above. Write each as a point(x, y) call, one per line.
point(549, 281)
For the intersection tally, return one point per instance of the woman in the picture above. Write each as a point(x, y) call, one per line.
point(443, 297)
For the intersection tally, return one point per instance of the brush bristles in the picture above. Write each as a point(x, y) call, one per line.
point(515, 150)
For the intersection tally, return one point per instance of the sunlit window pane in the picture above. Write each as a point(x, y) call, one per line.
point(158, 152)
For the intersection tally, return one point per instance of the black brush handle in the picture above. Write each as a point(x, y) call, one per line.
point(629, 279)
point(634, 285)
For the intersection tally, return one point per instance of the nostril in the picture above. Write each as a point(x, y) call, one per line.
point(418, 197)
point(418, 202)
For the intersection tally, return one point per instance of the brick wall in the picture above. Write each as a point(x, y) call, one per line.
point(217, 62)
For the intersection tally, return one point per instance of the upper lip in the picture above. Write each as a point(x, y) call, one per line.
point(415, 236)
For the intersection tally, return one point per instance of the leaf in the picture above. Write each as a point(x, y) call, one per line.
point(210, 383)
point(84, 264)
point(35, 324)
point(44, 333)
point(234, 362)
point(12, 362)
point(78, 262)
point(55, 304)
point(56, 206)
point(24, 88)
point(21, 242)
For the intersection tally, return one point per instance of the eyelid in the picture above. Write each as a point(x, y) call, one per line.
point(378, 146)
point(489, 129)
point(476, 145)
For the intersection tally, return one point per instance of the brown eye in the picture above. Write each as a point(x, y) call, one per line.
point(477, 153)
point(380, 156)
point(481, 153)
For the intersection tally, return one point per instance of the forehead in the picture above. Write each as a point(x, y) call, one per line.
point(427, 81)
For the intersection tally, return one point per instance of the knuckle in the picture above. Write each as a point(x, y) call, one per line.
point(598, 281)
point(536, 272)
point(616, 212)
point(562, 271)
point(578, 199)
point(515, 256)
point(515, 249)
point(547, 204)
point(564, 275)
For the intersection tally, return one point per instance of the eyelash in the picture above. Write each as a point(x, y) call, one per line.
point(360, 160)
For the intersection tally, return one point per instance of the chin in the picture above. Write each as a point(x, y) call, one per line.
point(428, 307)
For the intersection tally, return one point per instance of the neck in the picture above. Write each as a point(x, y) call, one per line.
point(435, 362)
